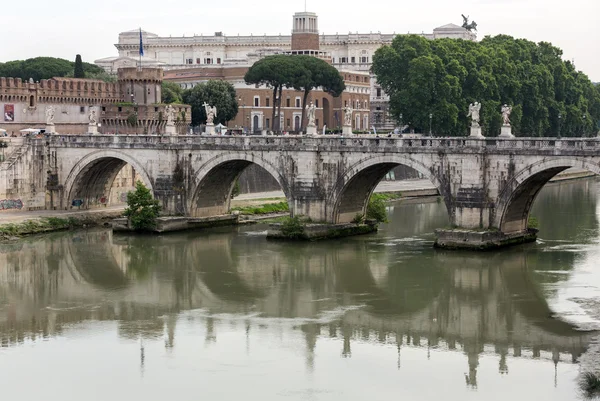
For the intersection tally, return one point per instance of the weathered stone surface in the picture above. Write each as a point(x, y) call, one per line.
point(486, 183)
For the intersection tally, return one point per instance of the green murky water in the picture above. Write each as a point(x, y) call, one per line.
point(224, 314)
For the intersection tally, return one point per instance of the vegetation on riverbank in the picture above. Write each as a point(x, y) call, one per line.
point(142, 209)
point(590, 385)
point(267, 208)
point(44, 225)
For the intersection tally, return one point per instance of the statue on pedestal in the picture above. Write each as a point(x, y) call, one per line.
point(49, 115)
point(92, 117)
point(506, 110)
point(474, 109)
point(211, 113)
point(310, 114)
point(347, 115)
point(170, 112)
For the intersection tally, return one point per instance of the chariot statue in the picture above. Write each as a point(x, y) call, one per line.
point(469, 26)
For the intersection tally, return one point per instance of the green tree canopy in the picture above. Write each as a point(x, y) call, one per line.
point(142, 209)
point(171, 92)
point(442, 77)
point(310, 73)
point(275, 72)
point(216, 93)
point(45, 68)
point(301, 72)
point(78, 68)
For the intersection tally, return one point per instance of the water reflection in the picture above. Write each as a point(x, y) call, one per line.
point(391, 289)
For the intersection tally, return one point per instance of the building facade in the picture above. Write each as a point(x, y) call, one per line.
point(130, 105)
point(351, 52)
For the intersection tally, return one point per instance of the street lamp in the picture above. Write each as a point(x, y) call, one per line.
point(583, 126)
point(401, 125)
point(243, 115)
point(559, 123)
point(430, 119)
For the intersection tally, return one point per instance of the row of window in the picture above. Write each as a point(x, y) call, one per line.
point(359, 123)
point(356, 104)
point(351, 60)
point(206, 61)
point(288, 102)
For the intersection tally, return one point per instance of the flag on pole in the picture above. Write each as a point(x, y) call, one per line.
point(141, 44)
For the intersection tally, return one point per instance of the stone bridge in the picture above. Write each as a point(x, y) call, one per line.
point(487, 184)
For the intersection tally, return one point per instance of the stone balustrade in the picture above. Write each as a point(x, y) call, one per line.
point(332, 142)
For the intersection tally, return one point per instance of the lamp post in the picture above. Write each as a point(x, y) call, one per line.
point(430, 119)
point(559, 124)
point(401, 125)
point(243, 115)
point(583, 125)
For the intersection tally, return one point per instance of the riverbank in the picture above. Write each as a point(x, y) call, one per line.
point(20, 225)
point(15, 224)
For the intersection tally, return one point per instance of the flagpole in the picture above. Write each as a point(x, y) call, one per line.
point(141, 49)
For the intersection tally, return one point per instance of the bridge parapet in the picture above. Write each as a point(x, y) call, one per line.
point(363, 143)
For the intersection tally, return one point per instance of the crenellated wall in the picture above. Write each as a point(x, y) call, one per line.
point(23, 103)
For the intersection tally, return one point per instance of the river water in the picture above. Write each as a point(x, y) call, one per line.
point(225, 314)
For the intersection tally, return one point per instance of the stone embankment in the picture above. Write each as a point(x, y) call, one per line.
point(18, 223)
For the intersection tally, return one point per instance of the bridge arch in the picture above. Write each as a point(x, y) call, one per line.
point(92, 177)
point(353, 189)
point(216, 178)
point(519, 193)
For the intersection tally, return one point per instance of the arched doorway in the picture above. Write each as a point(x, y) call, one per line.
point(256, 124)
point(297, 123)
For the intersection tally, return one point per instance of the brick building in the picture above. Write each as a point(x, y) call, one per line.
point(256, 102)
point(351, 52)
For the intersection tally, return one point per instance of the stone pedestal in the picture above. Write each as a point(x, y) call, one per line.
point(170, 129)
point(347, 130)
point(50, 129)
point(210, 129)
point(92, 129)
point(476, 132)
point(506, 132)
point(311, 130)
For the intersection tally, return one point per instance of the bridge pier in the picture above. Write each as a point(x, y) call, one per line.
point(481, 240)
point(488, 184)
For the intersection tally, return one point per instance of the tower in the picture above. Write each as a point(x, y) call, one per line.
point(140, 85)
point(305, 34)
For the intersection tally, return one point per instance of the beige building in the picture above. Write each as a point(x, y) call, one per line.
point(347, 52)
point(130, 105)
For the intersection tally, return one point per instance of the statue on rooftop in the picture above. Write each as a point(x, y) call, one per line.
point(468, 26)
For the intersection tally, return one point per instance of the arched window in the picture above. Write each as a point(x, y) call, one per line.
point(31, 101)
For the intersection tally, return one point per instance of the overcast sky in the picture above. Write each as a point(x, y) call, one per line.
point(64, 28)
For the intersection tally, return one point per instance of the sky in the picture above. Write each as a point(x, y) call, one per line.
point(64, 28)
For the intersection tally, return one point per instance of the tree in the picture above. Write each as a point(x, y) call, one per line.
point(78, 68)
point(216, 93)
point(171, 93)
point(444, 76)
point(310, 73)
point(45, 68)
point(274, 72)
point(142, 209)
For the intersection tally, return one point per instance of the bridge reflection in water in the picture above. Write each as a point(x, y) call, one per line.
point(449, 301)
